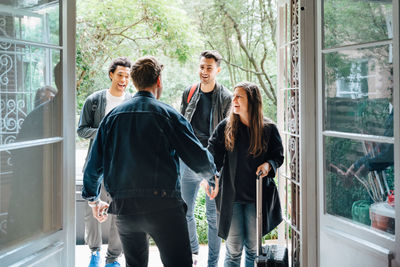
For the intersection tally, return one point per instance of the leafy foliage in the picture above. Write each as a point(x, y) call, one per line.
point(348, 22)
point(177, 31)
point(244, 33)
point(108, 29)
point(201, 218)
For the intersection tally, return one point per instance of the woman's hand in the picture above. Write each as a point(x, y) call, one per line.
point(210, 191)
point(263, 169)
point(204, 184)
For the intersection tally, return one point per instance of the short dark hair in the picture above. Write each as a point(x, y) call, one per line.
point(212, 54)
point(119, 61)
point(145, 72)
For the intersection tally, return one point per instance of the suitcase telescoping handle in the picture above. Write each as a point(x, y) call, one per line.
point(259, 213)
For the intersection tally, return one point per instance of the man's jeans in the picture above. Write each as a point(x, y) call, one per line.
point(167, 227)
point(93, 234)
point(190, 186)
point(242, 233)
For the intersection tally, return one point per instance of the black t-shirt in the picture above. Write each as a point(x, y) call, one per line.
point(245, 180)
point(201, 120)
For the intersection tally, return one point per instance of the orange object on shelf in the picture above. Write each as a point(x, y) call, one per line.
point(391, 198)
point(382, 216)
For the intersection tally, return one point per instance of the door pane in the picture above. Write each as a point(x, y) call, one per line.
point(358, 91)
point(31, 199)
point(35, 21)
point(30, 110)
point(363, 194)
point(348, 22)
point(30, 92)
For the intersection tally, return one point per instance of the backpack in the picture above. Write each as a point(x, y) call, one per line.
point(191, 92)
point(95, 103)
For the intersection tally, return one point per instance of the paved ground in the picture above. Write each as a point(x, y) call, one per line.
point(82, 254)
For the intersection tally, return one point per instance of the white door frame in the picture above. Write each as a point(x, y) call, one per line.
point(69, 105)
point(308, 146)
point(57, 248)
point(305, 105)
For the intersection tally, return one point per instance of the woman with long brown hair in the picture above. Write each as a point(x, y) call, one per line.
point(243, 145)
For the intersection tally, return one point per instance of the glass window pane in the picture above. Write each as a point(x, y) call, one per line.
point(30, 193)
point(36, 21)
point(30, 93)
point(30, 108)
point(358, 91)
point(348, 22)
point(359, 182)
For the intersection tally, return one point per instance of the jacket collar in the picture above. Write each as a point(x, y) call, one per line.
point(144, 93)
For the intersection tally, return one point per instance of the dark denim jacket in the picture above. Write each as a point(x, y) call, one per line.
point(137, 149)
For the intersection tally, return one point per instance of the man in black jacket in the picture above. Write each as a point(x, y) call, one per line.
point(137, 151)
point(204, 105)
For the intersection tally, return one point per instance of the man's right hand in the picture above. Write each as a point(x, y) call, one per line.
point(100, 211)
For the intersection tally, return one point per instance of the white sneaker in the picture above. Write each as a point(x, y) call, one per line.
point(195, 259)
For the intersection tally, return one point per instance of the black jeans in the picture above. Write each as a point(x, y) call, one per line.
point(167, 227)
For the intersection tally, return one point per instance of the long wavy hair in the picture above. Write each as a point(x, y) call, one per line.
point(256, 121)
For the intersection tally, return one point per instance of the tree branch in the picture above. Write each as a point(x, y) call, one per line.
point(132, 25)
point(133, 39)
point(79, 82)
point(249, 56)
point(271, 21)
point(241, 68)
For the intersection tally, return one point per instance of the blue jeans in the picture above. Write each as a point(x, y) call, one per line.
point(190, 184)
point(242, 233)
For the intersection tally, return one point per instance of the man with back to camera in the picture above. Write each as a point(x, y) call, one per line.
point(137, 151)
point(96, 106)
point(204, 105)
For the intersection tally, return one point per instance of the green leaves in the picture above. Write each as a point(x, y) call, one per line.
point(108, 29)
point(244, 33)
point(176, 31)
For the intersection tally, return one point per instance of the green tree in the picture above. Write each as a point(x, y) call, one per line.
point(244, 33)
point(107, 29)
point(350, 22)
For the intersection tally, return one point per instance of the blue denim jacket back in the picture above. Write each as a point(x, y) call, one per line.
point(137, 149)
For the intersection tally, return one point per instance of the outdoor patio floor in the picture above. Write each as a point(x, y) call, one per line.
point(82, 256)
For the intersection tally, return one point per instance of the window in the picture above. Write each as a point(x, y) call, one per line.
point(30, 120)
point(358, 112)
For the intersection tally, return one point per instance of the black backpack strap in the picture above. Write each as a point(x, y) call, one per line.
point(95, 103)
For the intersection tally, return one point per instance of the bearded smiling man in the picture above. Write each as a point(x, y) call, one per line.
point(204, 105)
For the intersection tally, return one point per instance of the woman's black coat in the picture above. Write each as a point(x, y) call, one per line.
point(226, 162)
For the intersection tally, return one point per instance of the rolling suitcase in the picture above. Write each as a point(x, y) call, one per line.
point(269, 255)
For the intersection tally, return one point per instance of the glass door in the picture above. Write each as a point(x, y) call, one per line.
point(34, 107)
point(356, 132)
